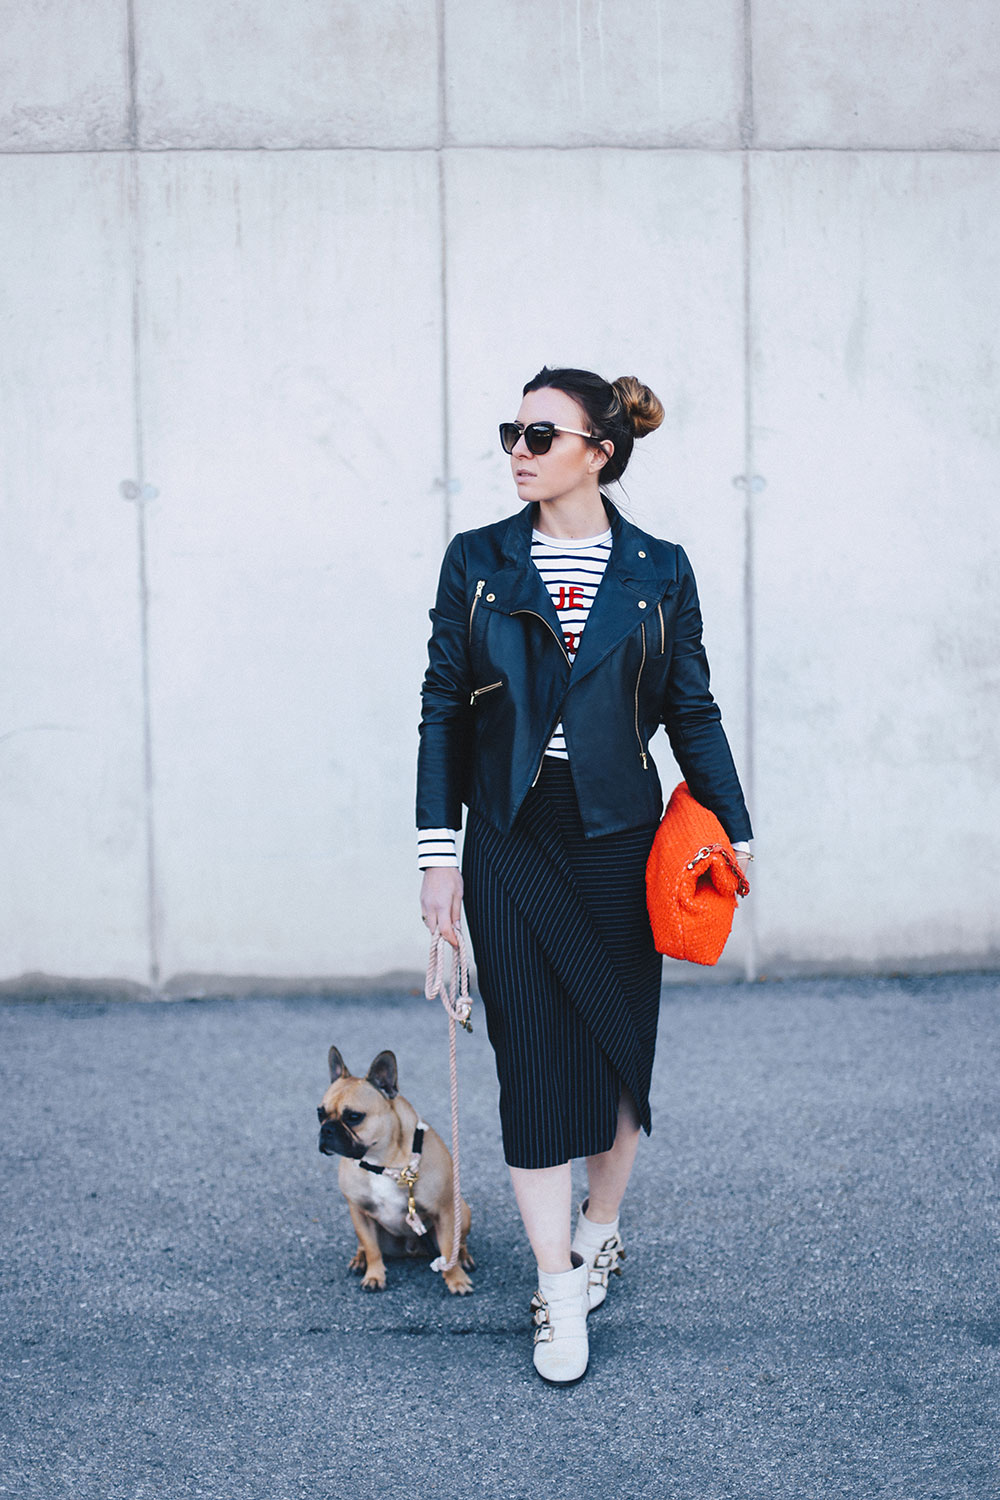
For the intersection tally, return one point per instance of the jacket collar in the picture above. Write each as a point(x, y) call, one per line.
point(628, 558)
point(628, 593)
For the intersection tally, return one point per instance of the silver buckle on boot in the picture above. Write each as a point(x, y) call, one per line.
point(540, 1318)
point(606, 1260)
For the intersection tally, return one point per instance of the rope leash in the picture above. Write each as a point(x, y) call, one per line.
point(458, 1003)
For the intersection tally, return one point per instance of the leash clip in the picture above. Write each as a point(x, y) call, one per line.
point(408, 1178)
point(414, 1220)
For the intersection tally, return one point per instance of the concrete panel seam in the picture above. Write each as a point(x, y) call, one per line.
point(132, 124)
point(746, 116)
point(143, 493)
point(750, 485)
point(764, 148)
point(442, 74)
point(663, 148)
point(749, 480)
point(447, 483)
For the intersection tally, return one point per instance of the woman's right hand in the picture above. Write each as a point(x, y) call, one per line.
point(441, 902)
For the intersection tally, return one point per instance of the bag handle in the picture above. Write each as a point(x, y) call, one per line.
point(742, 883)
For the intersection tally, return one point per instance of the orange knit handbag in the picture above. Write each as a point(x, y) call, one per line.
point(692, 881)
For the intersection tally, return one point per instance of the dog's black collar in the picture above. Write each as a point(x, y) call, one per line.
point(415, 1150)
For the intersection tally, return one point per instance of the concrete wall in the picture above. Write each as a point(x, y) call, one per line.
point(270, 276)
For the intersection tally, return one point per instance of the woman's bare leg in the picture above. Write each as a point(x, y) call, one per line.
point(545, 1194)
point(608, 1172)
point(545, 1198)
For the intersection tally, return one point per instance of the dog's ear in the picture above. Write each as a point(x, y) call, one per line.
point(382, 1074)
point(338, 1067)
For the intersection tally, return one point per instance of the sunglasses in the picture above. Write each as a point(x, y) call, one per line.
point(537, 436)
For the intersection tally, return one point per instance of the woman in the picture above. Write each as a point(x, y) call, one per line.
point(562, 638)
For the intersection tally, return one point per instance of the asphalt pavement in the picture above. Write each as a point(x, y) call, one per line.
point(810, 1305)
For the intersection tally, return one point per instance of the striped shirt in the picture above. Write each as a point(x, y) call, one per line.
point(571, 571)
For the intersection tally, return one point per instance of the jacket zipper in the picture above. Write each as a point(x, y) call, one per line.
point(562, 648)
point(561, 644)
point(472, 612)
point(642, 748)
point(542, 760)
point(663, 633)
point(478, 691)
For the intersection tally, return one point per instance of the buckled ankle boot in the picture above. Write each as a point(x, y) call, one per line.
point(559, 1310)
point(600, 1246)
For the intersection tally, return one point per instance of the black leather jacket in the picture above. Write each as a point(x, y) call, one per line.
point(499, 680)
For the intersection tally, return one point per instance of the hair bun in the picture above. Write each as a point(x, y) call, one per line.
point(641, 407)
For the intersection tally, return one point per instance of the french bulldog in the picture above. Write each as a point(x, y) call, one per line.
point(395, 1175)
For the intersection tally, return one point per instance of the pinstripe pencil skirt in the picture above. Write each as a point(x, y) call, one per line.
point(567, 970)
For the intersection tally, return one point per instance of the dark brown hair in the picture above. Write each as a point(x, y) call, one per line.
point(619, 410)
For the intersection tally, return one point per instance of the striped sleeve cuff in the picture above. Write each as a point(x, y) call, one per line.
point(436, 848)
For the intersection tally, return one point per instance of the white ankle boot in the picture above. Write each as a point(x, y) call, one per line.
point(600, 1246)
point(559, 1309)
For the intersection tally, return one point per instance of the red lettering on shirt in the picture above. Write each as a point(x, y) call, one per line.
point(572, 641)
point(570, 598)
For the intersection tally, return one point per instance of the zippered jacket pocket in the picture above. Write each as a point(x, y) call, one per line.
point(638, 732)
point(472, 610)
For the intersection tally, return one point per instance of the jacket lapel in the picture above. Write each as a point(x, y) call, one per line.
point(519, 585)
point(626, 596)
point(614, 614)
